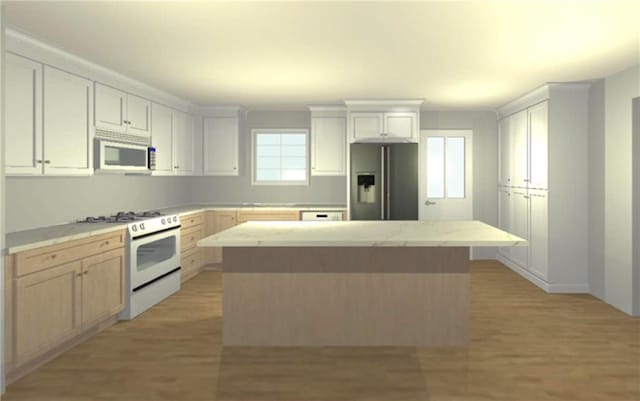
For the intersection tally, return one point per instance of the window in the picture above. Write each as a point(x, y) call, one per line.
point(280, 156)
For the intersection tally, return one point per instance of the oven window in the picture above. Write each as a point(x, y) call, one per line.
point(119, 156)
point(155, 252)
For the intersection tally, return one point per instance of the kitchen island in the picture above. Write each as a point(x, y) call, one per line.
point(349, 283)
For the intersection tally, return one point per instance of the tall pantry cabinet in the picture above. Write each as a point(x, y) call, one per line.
point(542, 185)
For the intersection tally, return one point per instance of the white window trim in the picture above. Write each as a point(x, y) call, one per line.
point(255, 131)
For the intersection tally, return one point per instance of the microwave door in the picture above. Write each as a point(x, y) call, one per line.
point(119, 157)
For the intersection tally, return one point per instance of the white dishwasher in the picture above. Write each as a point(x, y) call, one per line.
point(321, 216)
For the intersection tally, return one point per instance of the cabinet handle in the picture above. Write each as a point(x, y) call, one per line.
point(234, 168)
point(79, 274)
point(47, 161)
point(39, 161)
point(53, 256)
point(526, 197)
point(105, 243)
point(526, 180)
point(86, 272)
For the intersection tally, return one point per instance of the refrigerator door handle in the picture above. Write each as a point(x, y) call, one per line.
point(382, 184)
point(387, 183)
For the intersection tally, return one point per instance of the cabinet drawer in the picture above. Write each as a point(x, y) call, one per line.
point(190, 262)
point(189, 237)
point(191, 220)
point(277, 215)
point(43, 258)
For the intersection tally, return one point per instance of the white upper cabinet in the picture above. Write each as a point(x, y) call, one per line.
point(366, 125)
point(538, 146)
point(221, 145)
point(328, 145)
point(23, 116)
point(383, 120)
point(162, 138)
point(138, 116)
point(110, 109)
point(117, 111)
point(183, 136)
point(67, 116)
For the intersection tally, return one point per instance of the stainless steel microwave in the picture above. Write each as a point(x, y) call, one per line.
point(116, 157)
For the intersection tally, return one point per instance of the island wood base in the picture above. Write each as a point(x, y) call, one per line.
point(341, 296)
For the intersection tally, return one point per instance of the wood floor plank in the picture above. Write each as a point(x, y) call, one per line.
point(525, 345)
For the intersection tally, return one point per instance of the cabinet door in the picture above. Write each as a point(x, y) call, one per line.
point(538, 238)
point(401, 124)
point(504, 146)
point(23, 116)
point(222, 220)
point(102, 286)
point(504, 216)
point(519, 224)
point(366, 125)
point(183, 141)
point(519, 149)
point(538, 149)
point(328, 146)
point(47, 306)
point(162, 138)
point(138, 116)
point(67, 123)
point(110, 108)
point(221, 146)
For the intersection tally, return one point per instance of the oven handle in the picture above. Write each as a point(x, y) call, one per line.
point(155, 233)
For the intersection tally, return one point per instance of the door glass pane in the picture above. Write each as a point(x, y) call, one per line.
point(155, 252)
point(455, 167)
point(435, 167)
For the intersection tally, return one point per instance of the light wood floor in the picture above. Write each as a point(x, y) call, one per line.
point(525, 346)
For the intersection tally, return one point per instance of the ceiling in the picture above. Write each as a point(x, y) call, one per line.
point(455, 55)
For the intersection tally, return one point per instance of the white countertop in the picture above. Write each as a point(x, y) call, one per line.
point(38, 237)
point(362, 233)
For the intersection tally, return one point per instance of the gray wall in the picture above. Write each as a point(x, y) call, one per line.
point(596, 189)
point(41, 201)
point(485, 160)
point(620, 89)
point(321, 190)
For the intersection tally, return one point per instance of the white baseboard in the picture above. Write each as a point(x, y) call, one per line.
point(552, 288)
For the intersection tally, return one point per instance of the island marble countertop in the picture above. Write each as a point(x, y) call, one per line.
point(38, 237)
point(362, 233)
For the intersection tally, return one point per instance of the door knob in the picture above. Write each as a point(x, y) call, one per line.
point(427, 203)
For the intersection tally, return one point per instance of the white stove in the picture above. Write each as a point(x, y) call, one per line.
point(153, 258)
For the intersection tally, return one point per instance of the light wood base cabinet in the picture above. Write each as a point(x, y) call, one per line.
point(48, 308)
point(191, 258)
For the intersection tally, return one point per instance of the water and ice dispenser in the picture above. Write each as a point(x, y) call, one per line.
point(366, 188)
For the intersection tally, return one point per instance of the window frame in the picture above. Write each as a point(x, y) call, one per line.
point(254, 161)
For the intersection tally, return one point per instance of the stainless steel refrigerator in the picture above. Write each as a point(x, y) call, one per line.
point(384, 181)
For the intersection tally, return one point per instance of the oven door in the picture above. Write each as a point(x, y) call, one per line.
point(153, 256)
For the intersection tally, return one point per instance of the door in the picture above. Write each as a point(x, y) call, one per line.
point(400, 124)
point(154, 256)
point(102, 286)
point(538, 238)
point(47, 307)
point(183, 141)
point(67, 123)
point(538, 148)
point(23, 116)
point(519, 217)
point(221, 146)
point(446, 175)
point(401, 181)
point(138, 116)
point(366, 125)
point(519, 148)
point(110, 108)
point(504, 146)
point(162, 138)
point(366, 181)
point(328, 146)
